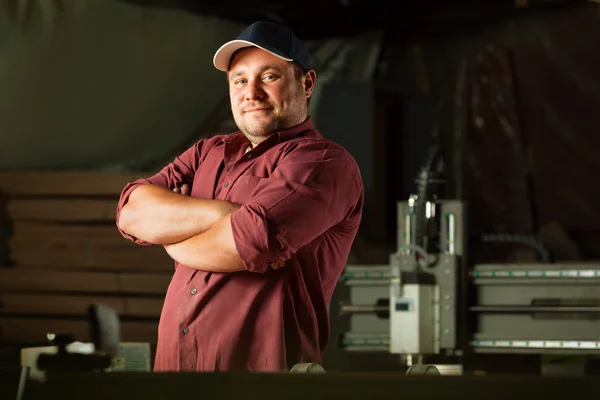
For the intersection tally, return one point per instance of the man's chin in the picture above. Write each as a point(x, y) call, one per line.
point(261, 130)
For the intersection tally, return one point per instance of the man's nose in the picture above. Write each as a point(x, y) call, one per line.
point(254, 91)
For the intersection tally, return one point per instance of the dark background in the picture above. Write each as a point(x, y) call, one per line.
point(509, 90)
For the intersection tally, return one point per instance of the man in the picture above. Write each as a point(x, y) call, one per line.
point(262, 239)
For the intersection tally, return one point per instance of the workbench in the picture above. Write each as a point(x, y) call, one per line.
point(331, 385)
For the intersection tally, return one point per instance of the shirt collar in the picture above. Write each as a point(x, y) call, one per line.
point(277, 137)
point(294, 131)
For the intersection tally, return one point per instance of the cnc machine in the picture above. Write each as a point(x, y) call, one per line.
point(429, 303)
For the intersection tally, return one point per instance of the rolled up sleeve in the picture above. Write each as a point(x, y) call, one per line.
point(175, 174)
point(315, 187)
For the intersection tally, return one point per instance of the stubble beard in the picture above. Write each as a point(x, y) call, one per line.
point(257, 131)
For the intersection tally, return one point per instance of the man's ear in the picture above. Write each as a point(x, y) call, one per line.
point(310, 79)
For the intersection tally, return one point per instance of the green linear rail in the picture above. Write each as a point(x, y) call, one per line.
point(538, 344)
point(584, 273)
point(366, 342)
point(367, 275)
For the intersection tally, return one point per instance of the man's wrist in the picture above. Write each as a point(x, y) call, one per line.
point(225, 208)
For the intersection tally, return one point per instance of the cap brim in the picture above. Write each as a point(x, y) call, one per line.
point(222, 57)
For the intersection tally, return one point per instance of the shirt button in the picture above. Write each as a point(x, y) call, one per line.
point(185, 331)
point(193, 291)
point(226, 184)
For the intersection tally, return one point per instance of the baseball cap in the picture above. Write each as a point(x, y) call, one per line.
point(276, 39)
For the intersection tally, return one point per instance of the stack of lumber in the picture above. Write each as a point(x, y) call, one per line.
point(67, 253)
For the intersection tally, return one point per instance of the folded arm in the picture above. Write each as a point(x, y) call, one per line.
point(314, 188)
point(159, 216)
point(211, 251)
point(149, 212)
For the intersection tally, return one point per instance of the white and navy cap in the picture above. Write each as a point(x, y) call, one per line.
point(276, 39)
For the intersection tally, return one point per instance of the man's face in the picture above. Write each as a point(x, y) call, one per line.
point(266, 94)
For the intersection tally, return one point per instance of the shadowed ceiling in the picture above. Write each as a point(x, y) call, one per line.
point(316, 19)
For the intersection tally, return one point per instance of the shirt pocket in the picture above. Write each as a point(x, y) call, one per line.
point(243, 189)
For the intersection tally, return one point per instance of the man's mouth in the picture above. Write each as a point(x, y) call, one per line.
point(255, 109)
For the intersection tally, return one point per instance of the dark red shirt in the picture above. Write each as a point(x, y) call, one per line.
point(302, 198)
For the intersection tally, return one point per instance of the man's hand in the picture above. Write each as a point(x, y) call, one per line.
point(277, 265)
point(184, 189)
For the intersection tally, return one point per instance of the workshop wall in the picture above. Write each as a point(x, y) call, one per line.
point(103, 85)
point(533, 84)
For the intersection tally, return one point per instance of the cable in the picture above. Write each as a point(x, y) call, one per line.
point(525, 240)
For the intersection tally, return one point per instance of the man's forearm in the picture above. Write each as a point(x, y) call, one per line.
point(211, 251)
point(159, 216)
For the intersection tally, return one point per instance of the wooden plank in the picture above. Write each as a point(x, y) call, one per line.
point(56, 304)
point(20, 279)
point(143, 307)
point(23, 231)
point(25, 330)
point(38, 279)
point(122, 255)
point(18, 303)
point(82, 246)
point(57, 243)
point(65, 183)
point(15, 330)
point(62, 209)
point(150, 283)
